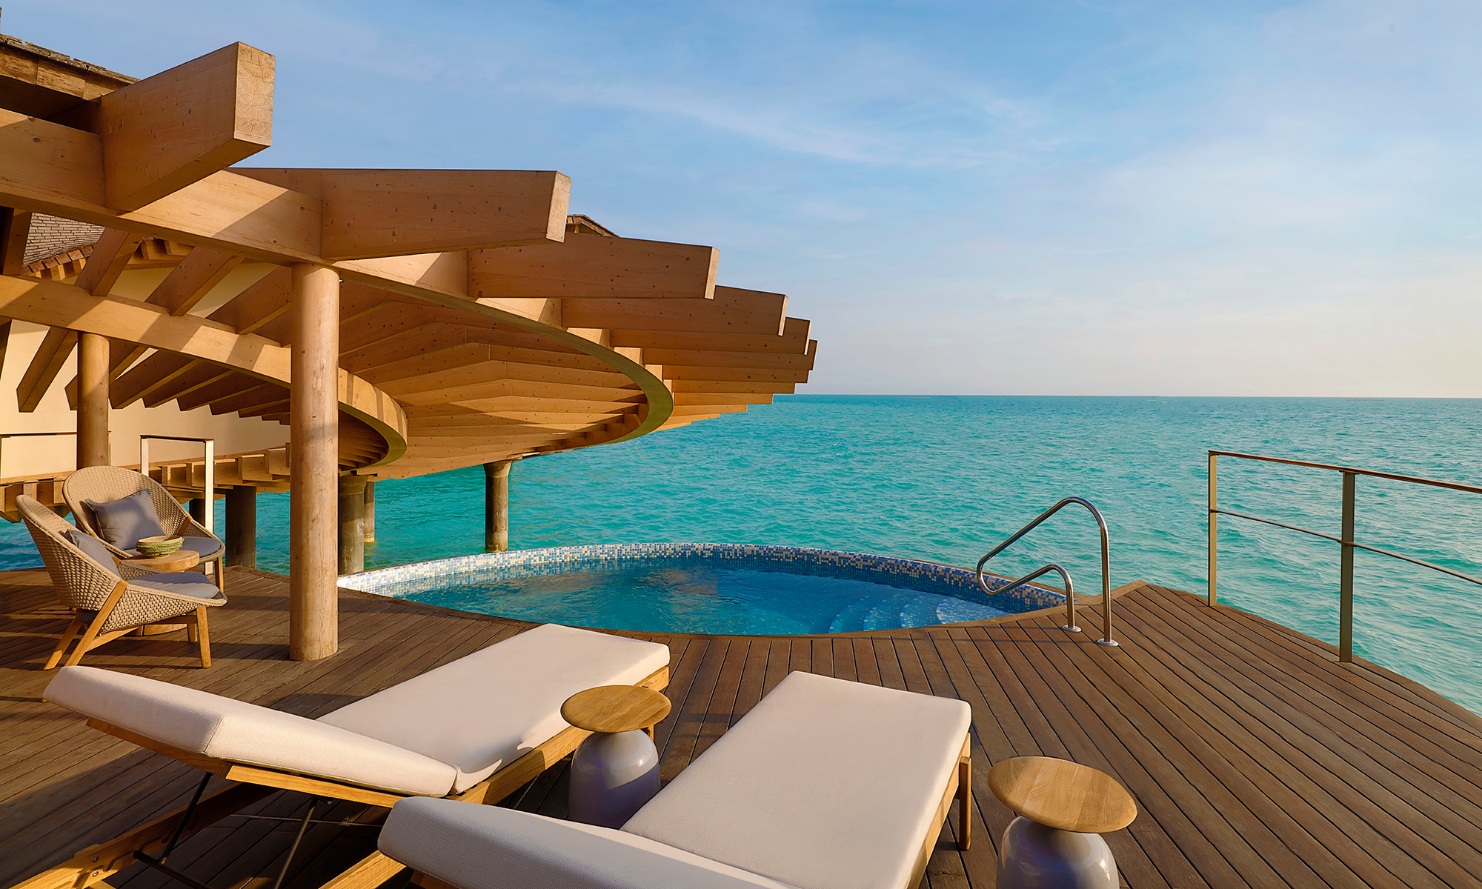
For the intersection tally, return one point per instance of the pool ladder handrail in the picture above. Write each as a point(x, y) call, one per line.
point(1070, 624)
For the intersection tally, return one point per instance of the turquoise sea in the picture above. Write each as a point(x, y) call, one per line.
point(945, 478)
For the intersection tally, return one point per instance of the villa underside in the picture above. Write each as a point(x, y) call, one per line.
point(1255, 757)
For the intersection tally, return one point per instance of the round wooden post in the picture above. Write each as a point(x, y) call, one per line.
point(197, 507)
point(314, 444)
point(92, 400)
point(496, 506)
point(241, 526)
point(370, 511)
point(352, 524)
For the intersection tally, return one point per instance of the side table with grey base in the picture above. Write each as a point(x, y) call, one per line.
point(615, 770)
point(1063, 809)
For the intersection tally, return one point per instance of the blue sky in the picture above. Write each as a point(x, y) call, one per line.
point(965, 197)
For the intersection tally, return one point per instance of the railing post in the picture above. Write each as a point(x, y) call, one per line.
point(1213, 527)
point(1345, 577)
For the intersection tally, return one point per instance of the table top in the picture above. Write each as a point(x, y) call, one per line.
point(179, 560)
point(615, 708)
point(1061, 794)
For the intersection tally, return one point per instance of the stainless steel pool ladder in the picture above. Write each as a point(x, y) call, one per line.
point(1070, 624)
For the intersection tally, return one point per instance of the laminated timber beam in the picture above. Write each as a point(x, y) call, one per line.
point(594, 266)
point(793, 340)
point(376, 213)
point(732, 310)
point(171, 130)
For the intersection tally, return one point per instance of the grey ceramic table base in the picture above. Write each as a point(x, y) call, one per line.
point(1037, 857)
point(612, 776)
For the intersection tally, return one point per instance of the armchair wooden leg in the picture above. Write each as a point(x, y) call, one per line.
point(221, 574)
point(67, 636)
point(90, 638)
point(203, 634)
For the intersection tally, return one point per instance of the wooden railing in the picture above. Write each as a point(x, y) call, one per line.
point(1345, 541)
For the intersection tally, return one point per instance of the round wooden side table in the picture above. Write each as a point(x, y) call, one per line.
point(616, 769)
point(179, 560)
point(1063, 809)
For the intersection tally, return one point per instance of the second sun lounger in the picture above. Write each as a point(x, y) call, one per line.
point(474, 730)
point(825, 784)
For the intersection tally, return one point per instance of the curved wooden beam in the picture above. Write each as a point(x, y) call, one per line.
point(68, 307)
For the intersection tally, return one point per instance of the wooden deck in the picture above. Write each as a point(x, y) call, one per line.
point(1256, 759)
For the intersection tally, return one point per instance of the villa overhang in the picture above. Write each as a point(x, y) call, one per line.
point(479, 320)
point(400, 322)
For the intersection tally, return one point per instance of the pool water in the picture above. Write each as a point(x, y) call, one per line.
point(727, 590)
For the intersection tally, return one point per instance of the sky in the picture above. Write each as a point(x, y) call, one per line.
point(1058, 198)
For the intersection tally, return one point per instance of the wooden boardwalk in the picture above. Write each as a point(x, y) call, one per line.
point(1255, 757)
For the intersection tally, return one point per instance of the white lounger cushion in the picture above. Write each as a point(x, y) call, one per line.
point(825, 784)
point(482, 712)
point(486, 847)
point(223, 728)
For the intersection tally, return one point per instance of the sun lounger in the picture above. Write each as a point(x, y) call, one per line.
point(825, 784)
point(473, 730)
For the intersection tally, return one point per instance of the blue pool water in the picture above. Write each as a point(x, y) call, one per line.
point(944, 478)
point(705, 588)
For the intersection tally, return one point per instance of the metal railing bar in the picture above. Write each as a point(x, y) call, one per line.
point(1241, 515)
point(1363, 546)
point(1371, 473)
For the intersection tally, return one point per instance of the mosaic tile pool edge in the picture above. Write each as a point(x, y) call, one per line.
point(404, 580)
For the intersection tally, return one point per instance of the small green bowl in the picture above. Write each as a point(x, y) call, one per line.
point(154, 547)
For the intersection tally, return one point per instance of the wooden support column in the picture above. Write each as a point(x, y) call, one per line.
point(314, 433)
point(241, 526)
point(496, 506)
point(198, 507)
point(352, 524)
point(370, 511)
point(92, 401)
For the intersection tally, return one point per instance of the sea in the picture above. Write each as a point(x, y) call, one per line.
point(945, 478)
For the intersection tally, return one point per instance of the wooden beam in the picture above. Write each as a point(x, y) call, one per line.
point(792, 341)
point(110, 258)
point(731, 311)
point(178, 127)
point(313, 612)
point(756, 360)
point(185, 285)
point(378, 213)
point(56, 347)
point(593, 266)
point(257, 305)
point(15, 231)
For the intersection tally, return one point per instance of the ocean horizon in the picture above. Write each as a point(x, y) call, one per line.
point(946, 477)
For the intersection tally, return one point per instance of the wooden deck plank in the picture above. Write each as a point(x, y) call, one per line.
point(1256, 759)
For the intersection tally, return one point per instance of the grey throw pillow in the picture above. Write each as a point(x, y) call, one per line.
point(93, 548)
point(123, 521)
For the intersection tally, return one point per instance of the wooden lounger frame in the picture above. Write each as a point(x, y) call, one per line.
point(93, 865)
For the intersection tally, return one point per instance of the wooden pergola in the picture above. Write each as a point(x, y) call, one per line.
point(400, 322)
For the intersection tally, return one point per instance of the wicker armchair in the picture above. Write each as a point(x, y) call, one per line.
point(104, 483)
point(111, 600)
